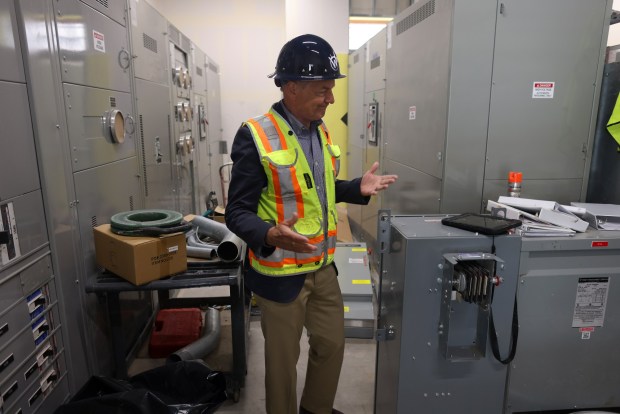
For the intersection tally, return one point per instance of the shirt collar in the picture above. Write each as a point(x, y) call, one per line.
point(296, 124)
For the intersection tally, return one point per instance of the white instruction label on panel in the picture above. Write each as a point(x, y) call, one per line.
point(591, 302)
point(412, 112)
point(355, 260)
point(543, 90)
point(99, 41)
point(9, 250)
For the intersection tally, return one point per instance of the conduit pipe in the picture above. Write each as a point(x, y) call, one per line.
point(229, 245)
point(203, 346)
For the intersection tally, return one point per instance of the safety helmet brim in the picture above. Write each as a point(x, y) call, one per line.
point(307, 58)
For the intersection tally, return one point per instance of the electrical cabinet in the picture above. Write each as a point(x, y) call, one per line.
point(93, 48)
point(182, 118)
point(480, 88)
point(374, 114)
point(217, 145)
point(439, 287)
point(569, 324)
point(200, 123)
point(30, 318)
point(355, 123)
point(153, 103)
point(551, 303)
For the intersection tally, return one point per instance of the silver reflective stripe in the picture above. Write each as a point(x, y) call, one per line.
point(320, 247)
point(285, 177)
point(290, 206)
point(331, 242)
point(271, 132)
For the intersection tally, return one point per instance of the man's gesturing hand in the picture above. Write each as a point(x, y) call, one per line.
point(371, 184)
point(283, 236)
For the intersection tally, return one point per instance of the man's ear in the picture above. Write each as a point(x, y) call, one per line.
point(291, 87)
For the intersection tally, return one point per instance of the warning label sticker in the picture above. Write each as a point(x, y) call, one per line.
point(99, 41)
point(591, 302)
point(543, 90)
point(412, 113)
point(9, 248)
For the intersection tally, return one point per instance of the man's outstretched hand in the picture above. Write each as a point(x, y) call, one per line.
point(371, 184)
point(283, 236)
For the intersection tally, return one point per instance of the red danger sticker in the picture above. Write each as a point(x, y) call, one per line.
point(600, 244)
point(587, 329)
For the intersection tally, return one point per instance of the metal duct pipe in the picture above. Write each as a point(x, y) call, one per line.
point(229, 247)
point(203, 346)
point(201, 252)
point(211, 228)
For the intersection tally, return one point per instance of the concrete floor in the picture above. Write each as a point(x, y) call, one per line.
point(355, 391)
point(356, 387)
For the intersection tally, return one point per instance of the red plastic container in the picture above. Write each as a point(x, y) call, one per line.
point(174, 329)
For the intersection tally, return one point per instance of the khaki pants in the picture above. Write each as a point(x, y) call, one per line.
point(320, 309)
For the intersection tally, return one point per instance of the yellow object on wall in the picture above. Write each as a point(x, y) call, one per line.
point(336, 114)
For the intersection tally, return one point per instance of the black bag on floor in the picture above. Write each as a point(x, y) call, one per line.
point(185, 387)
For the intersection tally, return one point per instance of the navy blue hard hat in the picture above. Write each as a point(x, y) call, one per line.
point(306, 57)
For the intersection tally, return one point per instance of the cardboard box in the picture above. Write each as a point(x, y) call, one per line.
point(140, 259)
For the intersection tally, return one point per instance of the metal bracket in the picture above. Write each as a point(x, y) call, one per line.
point(384, 224)
point(385, 334)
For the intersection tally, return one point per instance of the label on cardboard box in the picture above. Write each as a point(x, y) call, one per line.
point(140, 259)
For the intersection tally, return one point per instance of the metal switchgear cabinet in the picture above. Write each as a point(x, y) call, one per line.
point(437, 291)
point(478, 88)
point(569, 318)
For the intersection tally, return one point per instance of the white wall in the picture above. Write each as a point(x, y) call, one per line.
point(244, 38)
point(614, 29)
point(326, 18)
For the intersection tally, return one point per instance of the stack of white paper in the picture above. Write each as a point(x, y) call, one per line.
point(601, 216)
point(540, 218)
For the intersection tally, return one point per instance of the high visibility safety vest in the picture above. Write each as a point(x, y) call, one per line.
point(291, 189)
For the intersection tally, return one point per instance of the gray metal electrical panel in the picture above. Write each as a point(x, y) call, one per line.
point(79, 79)
point(93, 48)
point(438, 288)
point(153, 103)
point(91, 102)
point(356, 127)
point(202, 158)
point(182, 116)
point(92, 186)
point(33, 370)
point(434, 336)
point(374, 114)
point(476, 89)
point(569, 324)
point(91, 144)
point(217, 144)
point(148, 42)
point(356, 286)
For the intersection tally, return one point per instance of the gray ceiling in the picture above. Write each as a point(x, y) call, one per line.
point(378, 8)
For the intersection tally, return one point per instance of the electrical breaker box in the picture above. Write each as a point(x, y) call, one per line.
point(439, 286)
